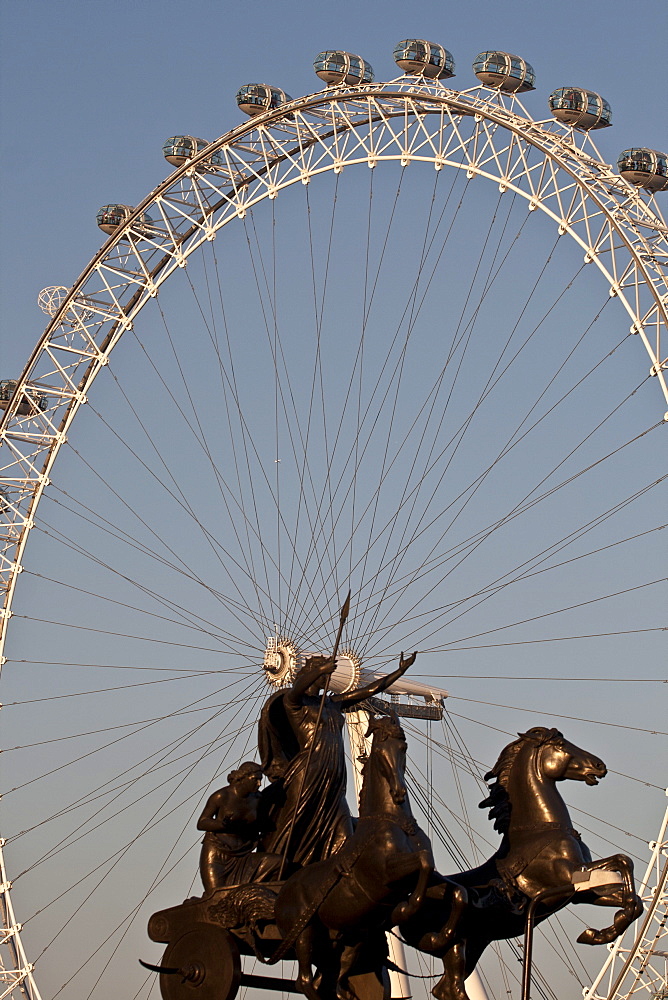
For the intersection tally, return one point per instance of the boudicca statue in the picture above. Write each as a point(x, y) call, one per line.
point(287, 873)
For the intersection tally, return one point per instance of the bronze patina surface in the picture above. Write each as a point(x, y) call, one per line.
point(300, 738)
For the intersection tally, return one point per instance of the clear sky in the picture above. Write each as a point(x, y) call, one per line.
point(89, 92)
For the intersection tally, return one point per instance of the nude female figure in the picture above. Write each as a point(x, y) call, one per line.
point(232, 828)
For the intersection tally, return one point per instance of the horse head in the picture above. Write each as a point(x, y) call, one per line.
point(562, 760)
point(385, 727)
point(543, 753)
point(387, 759)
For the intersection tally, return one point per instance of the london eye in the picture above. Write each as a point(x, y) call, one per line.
point(388, 336)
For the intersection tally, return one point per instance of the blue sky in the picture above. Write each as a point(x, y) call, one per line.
point(89, 92)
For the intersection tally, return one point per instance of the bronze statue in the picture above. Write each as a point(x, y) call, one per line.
point(305, 760)
point(540, 855)
point(351, 885)
point(333, 914)
point(376, 880)
point(230, 819)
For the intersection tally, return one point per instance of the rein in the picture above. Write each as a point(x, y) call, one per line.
point(550, 825)
point(405, 823)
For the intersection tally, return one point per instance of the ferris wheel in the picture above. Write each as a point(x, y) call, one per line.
point(388, 336)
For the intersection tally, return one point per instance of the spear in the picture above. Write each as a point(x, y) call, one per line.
point(342, 621)
point(344, 615)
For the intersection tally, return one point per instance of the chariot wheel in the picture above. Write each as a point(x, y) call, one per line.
point(386, 336)
point(209, 964)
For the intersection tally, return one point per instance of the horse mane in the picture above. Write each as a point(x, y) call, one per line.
point(498, 801)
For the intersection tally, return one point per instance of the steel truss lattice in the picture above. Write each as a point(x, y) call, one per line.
point(638, 967)
point(16, 978)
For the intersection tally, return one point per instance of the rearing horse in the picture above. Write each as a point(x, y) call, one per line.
point(336, 908)
point(539, 851)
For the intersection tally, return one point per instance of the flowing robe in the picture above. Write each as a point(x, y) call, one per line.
point(322, 820)
point(229, 859)
point(228, 855)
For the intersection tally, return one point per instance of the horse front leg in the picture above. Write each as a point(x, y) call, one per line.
point(410, 907)
point(625, 896)
point(304, 951)
point(451, 985)
point(349, 958)
point(437, 941)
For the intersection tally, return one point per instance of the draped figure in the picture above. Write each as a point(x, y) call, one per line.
point(306, 811)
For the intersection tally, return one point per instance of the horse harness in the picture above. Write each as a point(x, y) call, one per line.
point(340, 868)
point(543, 839)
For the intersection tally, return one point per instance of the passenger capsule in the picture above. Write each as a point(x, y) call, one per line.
point(111, 217)
point(178, 149)
point(645, 168)
point(31, 403)
point(580, 108)
point(254, 98)
point(417, 57)
point(504, 72)
point(342, 67)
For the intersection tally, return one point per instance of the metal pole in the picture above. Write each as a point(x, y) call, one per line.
point(560, 890)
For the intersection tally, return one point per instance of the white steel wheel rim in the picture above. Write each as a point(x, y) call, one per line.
point(637, 284)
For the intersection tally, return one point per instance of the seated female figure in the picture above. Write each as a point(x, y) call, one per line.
point(230, 819)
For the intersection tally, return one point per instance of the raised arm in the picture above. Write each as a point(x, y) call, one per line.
point(306, 677)
point(380, 684)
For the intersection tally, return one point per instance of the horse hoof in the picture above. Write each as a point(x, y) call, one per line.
point(446, 993)
point(588, 937)
point(306, 987)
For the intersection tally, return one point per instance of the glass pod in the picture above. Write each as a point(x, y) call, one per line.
point(178, 149)
point(111, 217)
point(32, 401)
point(579, 108)
point(645, 168)
point(254, 98)
point(342, 67)
point(418, 57)
point(503, 71)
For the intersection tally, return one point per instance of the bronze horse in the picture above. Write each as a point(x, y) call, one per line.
point(335, 911)
point(540, 852)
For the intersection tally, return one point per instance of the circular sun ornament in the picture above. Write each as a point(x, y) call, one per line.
point(348, 665)
point(282, 660)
